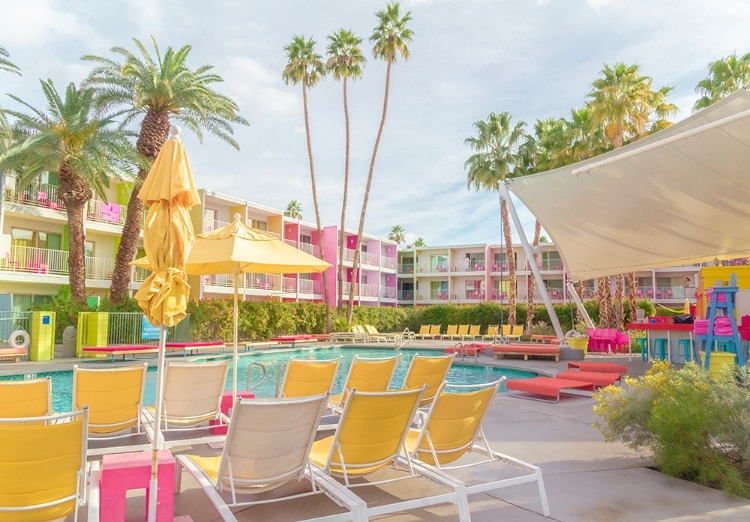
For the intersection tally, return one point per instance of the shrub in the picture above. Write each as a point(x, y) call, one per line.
point(698, 429)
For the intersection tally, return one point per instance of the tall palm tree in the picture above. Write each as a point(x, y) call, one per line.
point(725, 76)
point(305, 67)
point(6, 64)
point(84, 148)
point(419, 242)
point(157, 88)
point(389, 40)
point(345, 60)
point(294, 209)
point(624, 102)
point(496, 159)
point(397, 234)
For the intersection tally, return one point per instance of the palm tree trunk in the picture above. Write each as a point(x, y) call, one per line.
point(532, 280)
point(511, 263)
point(340, 277)
point(315, 204)
point(579, 290)
point(360, 230)
point(618, 313)
point(154, 132)
point(632, 296)
point(605, 302)
point(74, 192)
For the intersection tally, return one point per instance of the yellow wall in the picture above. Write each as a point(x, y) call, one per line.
point(708, 275)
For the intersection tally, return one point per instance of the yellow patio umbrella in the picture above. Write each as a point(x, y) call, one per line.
point(169, 192)
point(236, 249)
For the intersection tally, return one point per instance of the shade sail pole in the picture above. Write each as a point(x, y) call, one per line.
point(505, 194)
point(236, 328)
point(158, 441)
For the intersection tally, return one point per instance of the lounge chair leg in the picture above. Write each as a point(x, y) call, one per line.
point(542, 493)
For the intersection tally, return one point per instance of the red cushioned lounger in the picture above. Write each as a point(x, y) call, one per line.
point(126, 349)
point(545, 387)
point(596, 378)
point(603, 367)
point(195, 346)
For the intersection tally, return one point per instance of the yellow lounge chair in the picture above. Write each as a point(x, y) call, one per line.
point(192, 395)
point(453, 427)
point(26, 398)
point(434, 331)
point(430, 371)
point(512, 333)
point(492, 332)
point(424, 332)
point(369, 437)
point(366, 375)
point(463, 331)
point(267, 445)
point(305, 377)
point(474, 331)
point(451, 331)
point(43, 467)
point(114, 397)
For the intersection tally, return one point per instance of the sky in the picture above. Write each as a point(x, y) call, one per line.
point(532, 58)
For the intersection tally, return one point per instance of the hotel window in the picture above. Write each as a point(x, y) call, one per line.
point(500, 260)
point(439, 263)
point(260, 225)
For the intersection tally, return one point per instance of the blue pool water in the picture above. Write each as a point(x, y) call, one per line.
point(62, 382)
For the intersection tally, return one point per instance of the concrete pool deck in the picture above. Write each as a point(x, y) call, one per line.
point(586, 478)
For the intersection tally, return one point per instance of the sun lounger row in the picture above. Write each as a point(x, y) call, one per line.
point(471, 332)
point(188, 348)
point(580, 376)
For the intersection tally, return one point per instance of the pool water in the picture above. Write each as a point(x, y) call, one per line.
point(275, 362)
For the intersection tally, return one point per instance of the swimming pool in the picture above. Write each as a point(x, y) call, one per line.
point(62, 382)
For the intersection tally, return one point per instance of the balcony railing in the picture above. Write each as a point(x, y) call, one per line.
point(388, 262)
point(474, 295)
point(406, 295)
point(349, 255)
point(289, 285)
point(36, 194)
point(310, 287)
point(388, 292)
point(406, 268)
point(291, 242)
point(33, 260)
point(439, 295)
point(369, 258)
point(97, 210)
point(313, 250)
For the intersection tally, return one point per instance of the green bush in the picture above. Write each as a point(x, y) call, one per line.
point(698, 429)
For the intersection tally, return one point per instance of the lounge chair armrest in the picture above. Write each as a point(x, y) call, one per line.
point(208, 488)
point(93, 491)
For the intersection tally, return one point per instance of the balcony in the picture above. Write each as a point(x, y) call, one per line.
point(36, 194)
point(289, 285)
point(388, 292)
point(361, 290)
point(349, 255)
point(474, 295)
point(112, 213)
point(311, 249)
point(42, 261)
point(370, 259)
point(310, 287)
point(552, 264)
point(439, 295)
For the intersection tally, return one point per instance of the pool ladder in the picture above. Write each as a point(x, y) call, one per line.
point(262, 379)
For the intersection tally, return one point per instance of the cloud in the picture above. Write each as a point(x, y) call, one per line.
point(256, 89)
point(37, 23)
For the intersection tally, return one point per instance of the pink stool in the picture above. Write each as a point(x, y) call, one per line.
point(226, 406)
point(124, 471)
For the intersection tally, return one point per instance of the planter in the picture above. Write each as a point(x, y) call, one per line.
point(718, 361)
point(578, 343)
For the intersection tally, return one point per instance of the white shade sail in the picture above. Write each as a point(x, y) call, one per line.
point(677, 197)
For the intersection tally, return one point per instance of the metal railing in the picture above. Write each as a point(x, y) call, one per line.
point(32, 260)
point(11, 321)
point(369, 258)
point(310, 287)
point(313, 250)
point(406, 268)
point(349, 255)
point(475, 295)
point(289, 285)
point(406, 295)
point(98, 210)
point(388, 262)
point(388, 292)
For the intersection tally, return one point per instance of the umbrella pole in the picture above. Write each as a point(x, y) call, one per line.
point(158, 442)
point(234, 349)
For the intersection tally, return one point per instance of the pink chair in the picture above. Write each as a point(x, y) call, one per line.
point(41, 198)
point(622, 340)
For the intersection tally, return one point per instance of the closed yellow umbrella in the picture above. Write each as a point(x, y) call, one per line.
point(169, 192)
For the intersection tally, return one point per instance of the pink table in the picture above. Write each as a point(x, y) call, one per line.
point(124, 471)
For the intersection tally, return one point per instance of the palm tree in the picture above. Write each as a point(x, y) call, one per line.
point(397, 234)
point(294, 209)
point(725, 76)
point(6, 64)
point(496, 159)
point(389, 40)
point(624, 102)
point(306, 67)
point(419, 242)
point(85, 150)
point(345, 60)
point(157, 88)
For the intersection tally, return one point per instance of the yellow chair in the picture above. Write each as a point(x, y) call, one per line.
point(424, 331)
point(306, 377)
point(192, 395)
point(366, 375)
point(512, 333)
point(450, 332)
point(43, 467)
point(267, 445)
point(430, 371)
point(369, 437)
point(474, 331)
point(25, 398)
point(435, 331)
point(492, 332)
point(114, 397)
point(453, 427)
point(463, 331)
